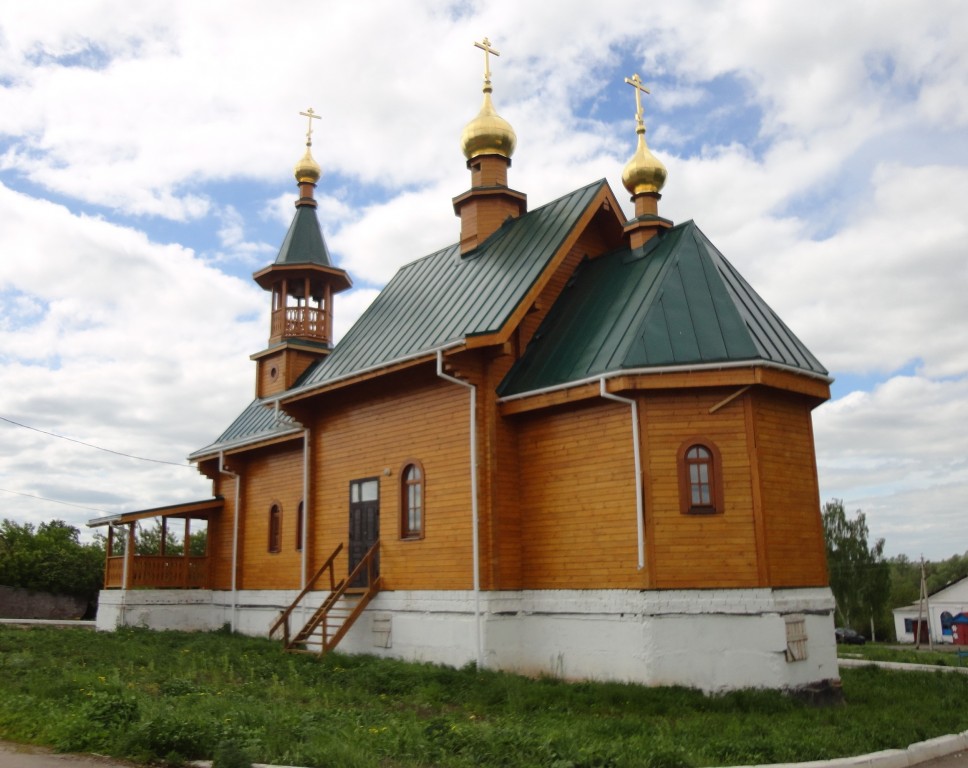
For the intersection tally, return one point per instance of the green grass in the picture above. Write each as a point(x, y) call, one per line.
point(173, 696)
point(904, 655)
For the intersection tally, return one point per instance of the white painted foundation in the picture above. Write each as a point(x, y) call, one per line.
point(714, 640)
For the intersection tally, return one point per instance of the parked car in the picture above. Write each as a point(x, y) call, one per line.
point(847, 636)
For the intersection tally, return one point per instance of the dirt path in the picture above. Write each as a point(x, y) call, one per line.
point(25, 756)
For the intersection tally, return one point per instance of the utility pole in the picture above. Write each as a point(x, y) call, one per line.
point(924, 612)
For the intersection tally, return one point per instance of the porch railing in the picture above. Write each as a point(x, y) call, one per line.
point(158, 572)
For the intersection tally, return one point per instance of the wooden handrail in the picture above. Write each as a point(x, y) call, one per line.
point(367, 562)
point(284, 617)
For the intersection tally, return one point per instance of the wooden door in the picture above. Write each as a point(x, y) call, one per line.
point(364, 523)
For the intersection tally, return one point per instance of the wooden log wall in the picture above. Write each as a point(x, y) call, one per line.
point(577, 499)
point(373, 432)
point(791, 497)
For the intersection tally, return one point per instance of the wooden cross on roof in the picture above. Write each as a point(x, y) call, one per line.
point(309, 131)
point(485, 45)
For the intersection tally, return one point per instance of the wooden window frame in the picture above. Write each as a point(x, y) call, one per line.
point(406, 533)
point(275, 528)
point(716, 505)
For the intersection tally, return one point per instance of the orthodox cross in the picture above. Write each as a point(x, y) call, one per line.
point(313, 116)
point(485, 46)
point(636, 82)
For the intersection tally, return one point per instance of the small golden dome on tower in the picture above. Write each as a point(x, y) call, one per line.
point(488, 133)
point(307, 169)
point(644, 173)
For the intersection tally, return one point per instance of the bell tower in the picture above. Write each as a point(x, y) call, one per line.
point(302, 282)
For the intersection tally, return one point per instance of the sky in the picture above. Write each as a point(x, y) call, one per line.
point(146, 154)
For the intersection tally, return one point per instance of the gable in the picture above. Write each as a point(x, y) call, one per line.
point(676, 302)
point(446, 298)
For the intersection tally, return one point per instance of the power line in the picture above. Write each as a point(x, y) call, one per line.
point(96, 447)
point(55, 501)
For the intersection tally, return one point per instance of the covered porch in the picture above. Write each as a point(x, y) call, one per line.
point(177, 557)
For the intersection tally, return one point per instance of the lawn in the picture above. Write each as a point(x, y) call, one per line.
point(174, 696)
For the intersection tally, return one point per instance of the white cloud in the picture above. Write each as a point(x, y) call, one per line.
point(899, 454)
point(126, 344)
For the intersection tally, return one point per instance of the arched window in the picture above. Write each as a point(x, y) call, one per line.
point(299, 527)
point(412, 501)
point(275, 528)
point(700, 478)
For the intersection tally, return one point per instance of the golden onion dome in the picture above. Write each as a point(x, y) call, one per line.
point(644, 172)
point(307, 169)
point(488, 133)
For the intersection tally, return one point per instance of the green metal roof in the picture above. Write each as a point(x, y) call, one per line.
point(447, 297)
point(675, 302)
point(304, 243)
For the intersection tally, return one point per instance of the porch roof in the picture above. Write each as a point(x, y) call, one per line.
point(195, 510)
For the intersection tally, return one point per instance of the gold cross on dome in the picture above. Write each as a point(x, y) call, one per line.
point(636, 82)
point(309, 131)
point(485, 45)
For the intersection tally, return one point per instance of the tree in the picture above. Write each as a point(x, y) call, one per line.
point(860, 577)
point(148, 539)
point(50, 559)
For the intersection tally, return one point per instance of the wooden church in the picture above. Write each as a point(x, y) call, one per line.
point(568, 444)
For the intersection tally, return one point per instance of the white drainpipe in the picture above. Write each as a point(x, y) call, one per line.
point(305, 510)
point(474, 509)
point(639, 498)
point(235, 537)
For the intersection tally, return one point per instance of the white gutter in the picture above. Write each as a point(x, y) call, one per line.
point(639, 496)
point(475, 542)
point(235, 537)
point(667, 369)
point(305, 510)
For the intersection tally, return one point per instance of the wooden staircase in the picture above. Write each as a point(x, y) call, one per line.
point(340, 608)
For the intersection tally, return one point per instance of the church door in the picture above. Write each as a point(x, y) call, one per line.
point(364, 523)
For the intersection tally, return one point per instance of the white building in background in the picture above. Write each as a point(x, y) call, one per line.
point(940, 613)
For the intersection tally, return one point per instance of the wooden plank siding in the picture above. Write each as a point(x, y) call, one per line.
point(502, 479)
point(789, 488)
point(373, 431)
point(557, 492)
point(577, 499)
point(698, 551)
point(271, 476)
point(220, 531)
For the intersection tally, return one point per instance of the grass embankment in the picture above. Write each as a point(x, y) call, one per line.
point(146, 695)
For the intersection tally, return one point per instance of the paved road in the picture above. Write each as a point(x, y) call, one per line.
point(957, 760)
